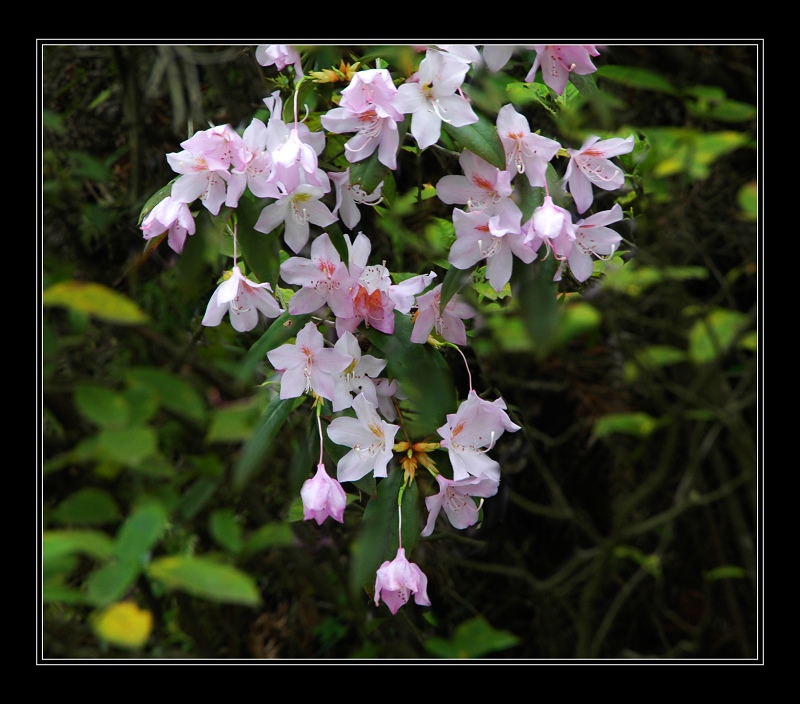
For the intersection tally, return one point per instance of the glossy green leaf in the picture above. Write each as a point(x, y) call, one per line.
point(423, 376)
point(378, 538)
point(480, 138)
point(226, 530)
point(110, 582)
point(59, 543)
point(95, 300)
point(87, 507)
point(102, 406)
point(540, 311)
point(638, 424)
point(635, 77)
point(453, 281)
point(206, 579)
point(368, 173)
point(173, 392)
point(140, 532)
point(256, 450)
point(259, 249)
point(472, 639)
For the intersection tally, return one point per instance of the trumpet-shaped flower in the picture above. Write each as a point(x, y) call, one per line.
point(481, 186)
point(558, 61)
point(591, 237)
point(590, 165)
point(526, 152)
point(358, 377)
point(455, 498)
point(296, 209)
point(349, 194)
point(449, 323)
point(324, 279)
point(172, 215)
point(398, 580)
point(495, 236)
point(323, 496)
point(307, 365)
point(432, 98)
point(370, 438)
point(242, 299)
point(471, 432)
point(280, 56)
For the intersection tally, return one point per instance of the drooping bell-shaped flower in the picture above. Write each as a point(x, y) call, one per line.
point(397, 581)
point(323, 496)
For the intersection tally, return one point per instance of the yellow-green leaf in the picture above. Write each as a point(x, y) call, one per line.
point(207, 579)
point(124, 625)
point(96, 300)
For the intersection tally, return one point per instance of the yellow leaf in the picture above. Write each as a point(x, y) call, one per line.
point(124, 624)
point(94, 299)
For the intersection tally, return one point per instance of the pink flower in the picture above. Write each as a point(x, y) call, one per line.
point(173, 215)
point(455, 498)
point(526, 152)
point(243, 300)
point(590, 165)
point(324, 279)
point(349, 194)
point(481, 186)
point(281, 56)
point(370, 438)
point(449, 323)
point(307, 365)
point(397, 580)
point(558, 62)
point(358, 377)
point(432, 98)
point(323, 496)
point(471, 432)
point(591, 237)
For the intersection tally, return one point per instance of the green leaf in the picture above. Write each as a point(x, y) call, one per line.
point(102, 406)
point(725, 572)
point(129, 446)
point(57, 544)
point(423, 376)
point(268, 536)
point(652, 357)
point(472, 639)
point(635, 77)
point(540, 310)
point(197, 496)
point(586, 85)
point(225, 530)
point(257, 448)
point(87, 507)
point(206, 579)
point(650, 563)
point(110, 582)
point(368, 173)
point(480, 138)
point(259, 249)
point(638, 424)
point(281, 330)
point(155, 199)
point(96, 300)
point(378, 538)
point(173, 392)
point(453, 280)
point(235, 422)
point(714, 334)
point(140, 532)
point(747, 198)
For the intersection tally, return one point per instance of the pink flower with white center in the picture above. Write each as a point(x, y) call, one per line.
point(349, 194)
point(367, 108)
point(242, 299)
point(219, 146)
point(255, 166)
point(324, 278)
point(590, 165)
point(198, 180)
point(296, 209)
point(386, 391)
point(280, 56)
point(295, 163)
point(471, 432)
point(323, 496)
point(370, 438)
point(449, 323)
point(455, 497)
point(558, 61)
point(173, 215)
point(432, 98)
point(591, 237)
point(397, 580)
point(549, 225)
point(495, 237)
point(481, 186)
point(358, 377)
point(526, 152)
point(307, 365)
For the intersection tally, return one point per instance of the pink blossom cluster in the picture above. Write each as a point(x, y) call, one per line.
point(280, 162)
